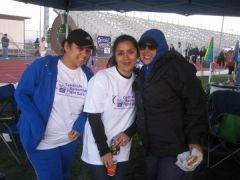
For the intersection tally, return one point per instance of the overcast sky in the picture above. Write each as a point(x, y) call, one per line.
point(28, 10)
point(231, 24)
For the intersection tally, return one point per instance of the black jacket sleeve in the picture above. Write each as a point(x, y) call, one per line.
point(192, 94)
point(98, 133)
point(131, 130)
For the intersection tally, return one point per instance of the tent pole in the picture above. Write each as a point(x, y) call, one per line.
point(67, 24)
point(221, 34)
point(40, 24)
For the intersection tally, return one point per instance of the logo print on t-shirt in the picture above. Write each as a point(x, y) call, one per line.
point(72, 90)
point(124, 102)
point(62, 89)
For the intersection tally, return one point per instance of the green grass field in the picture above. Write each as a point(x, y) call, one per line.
point(137, 170)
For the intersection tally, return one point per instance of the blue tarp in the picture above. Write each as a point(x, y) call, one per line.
point(184, 7)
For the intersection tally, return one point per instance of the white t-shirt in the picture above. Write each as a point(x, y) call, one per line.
point(111, 95)
point(180, 50)
point(70, 94)
point(42, 48)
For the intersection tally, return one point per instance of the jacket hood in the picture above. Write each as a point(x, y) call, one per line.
point(162, 48)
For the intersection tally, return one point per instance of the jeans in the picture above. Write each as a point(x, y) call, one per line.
point(99, 172)
point(5, 52)
point(164, 168)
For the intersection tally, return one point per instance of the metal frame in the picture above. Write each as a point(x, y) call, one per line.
point(10, 132)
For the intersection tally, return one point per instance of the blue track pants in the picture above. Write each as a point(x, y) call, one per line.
point(53, 164)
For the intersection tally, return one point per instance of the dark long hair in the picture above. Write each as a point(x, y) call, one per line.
point(119, 39)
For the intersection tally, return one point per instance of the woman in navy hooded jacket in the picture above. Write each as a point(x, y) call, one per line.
point(171, 107)
point(51, 94)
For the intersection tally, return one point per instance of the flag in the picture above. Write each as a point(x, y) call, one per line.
point(209, 53)
point(235, 52)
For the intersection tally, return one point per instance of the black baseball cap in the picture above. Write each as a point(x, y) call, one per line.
point(80, 38)
point(147, 41)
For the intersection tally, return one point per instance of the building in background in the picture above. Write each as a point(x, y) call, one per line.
point(14, 26)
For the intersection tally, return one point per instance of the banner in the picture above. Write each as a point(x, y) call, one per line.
point(104, 44)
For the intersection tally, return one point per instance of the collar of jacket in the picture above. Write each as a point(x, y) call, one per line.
point(168, 57)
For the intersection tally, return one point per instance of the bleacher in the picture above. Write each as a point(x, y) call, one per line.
point(109, 24)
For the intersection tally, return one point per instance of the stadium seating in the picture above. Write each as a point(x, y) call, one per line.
point(110, 24)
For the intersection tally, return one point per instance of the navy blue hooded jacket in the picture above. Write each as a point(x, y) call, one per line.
point(162, 48)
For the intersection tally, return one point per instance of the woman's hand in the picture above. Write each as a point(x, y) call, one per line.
point(73, 134)
point(121, 139)
point(107, 159)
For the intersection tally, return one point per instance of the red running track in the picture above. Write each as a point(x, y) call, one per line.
point(11, 70)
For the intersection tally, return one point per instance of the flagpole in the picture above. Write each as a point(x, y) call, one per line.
point(210, 75)
point(210, 57)
point(211, 63)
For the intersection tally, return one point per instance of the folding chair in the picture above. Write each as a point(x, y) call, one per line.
point(8, 118)
point(224, 125)
point(228, 133)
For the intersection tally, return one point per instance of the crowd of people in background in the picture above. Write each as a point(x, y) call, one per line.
point(223, 59)
point(194, 54)
point(40, 47)
point(191, 54)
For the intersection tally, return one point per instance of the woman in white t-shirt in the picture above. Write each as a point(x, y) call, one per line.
point(50, 95)
point(110, 104)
